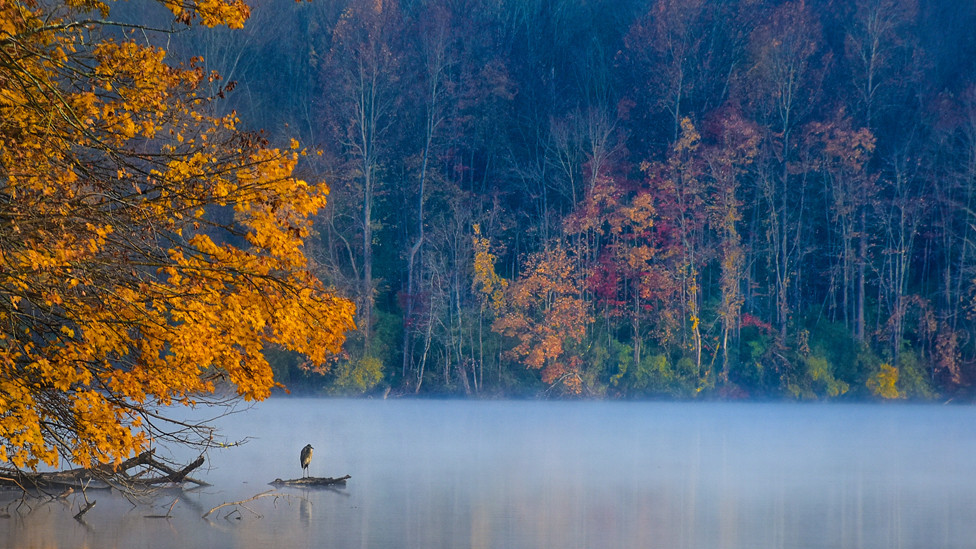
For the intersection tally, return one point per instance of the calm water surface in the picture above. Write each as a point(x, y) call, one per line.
point(432, 474)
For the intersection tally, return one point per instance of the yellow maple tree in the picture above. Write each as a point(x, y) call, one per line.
point(883, 383)
point(149, 252)
point(486, 282)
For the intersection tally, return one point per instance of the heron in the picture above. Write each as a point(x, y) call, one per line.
point(306, 457)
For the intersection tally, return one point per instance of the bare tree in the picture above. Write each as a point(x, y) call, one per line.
point(783, 84)
point(360, 75)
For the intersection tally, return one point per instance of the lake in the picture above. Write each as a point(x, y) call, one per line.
point(501, 474)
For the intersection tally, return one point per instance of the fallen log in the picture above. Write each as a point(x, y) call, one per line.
point(104, 476)
point(311, 481)
point(56, 480)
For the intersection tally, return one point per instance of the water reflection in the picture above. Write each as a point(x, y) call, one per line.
point(429, 474)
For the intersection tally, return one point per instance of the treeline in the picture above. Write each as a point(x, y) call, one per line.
point(632, 198)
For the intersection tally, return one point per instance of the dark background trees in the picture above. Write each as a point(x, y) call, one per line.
point(756, 197)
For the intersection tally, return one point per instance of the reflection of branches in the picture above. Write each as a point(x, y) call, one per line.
point(21, 501)
point(169, 512)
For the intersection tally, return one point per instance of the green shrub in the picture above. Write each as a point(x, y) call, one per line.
point(356, 377)
point(913, 381)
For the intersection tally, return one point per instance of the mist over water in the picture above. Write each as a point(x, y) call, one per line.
point(429, 474)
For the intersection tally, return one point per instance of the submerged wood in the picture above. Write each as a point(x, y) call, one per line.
point(311, 481)
point(106, 476)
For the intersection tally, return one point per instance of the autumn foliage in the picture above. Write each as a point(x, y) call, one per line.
point(149, 251)
point(753, 198)
point(546, 315)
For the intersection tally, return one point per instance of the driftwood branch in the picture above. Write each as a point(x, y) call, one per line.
point(267, 493)
point(240, 504)
point(85, 509)
point(311, 481)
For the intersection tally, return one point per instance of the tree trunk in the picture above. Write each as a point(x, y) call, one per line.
point(367, 289)
point(862, 261)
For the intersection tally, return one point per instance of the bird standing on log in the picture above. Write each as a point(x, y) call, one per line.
point(306, 457)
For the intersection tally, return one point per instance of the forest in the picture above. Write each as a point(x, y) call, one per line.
point(627, 198)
